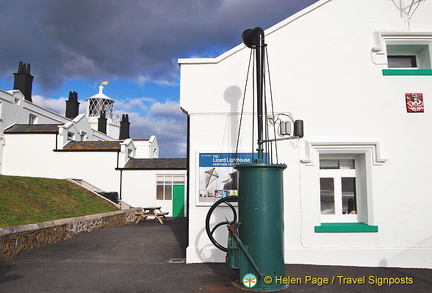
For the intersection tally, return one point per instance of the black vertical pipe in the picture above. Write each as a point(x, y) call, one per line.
point(121, 183)
point(260, 86)
point(254, 39)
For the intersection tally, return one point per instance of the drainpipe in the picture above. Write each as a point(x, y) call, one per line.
point(121, 183)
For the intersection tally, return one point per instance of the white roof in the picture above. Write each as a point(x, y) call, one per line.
point(100, 95)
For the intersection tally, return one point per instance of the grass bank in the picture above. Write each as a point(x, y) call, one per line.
point(28, 200)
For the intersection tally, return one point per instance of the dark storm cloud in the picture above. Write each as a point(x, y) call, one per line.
point(110, 38)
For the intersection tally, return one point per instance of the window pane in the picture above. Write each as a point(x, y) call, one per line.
point(337, 164)
point(168, 192)
point(178, 180)
point(327, 196)
point(349, 200)
point(160, 179)
point(401, 61)
point(329, 164)
point(168, 180)
point(159, 192)
point(347, 164)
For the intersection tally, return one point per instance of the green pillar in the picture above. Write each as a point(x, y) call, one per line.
point(261, 227)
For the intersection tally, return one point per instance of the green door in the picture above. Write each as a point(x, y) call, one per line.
point(178, 201)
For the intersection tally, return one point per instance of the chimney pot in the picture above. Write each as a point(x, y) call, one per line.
point(102, 122)
point(72, 105)
point(23, 80)
point(124, 127)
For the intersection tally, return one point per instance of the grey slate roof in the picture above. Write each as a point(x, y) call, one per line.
point(32, 128)
point(157, 164)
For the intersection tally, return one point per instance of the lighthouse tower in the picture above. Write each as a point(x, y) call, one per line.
point(101, 116)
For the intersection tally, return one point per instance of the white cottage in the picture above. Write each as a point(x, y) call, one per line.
point(357, 186)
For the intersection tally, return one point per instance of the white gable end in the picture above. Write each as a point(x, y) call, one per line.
point(331, 66)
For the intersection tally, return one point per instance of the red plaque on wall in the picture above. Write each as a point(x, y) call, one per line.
point(414, 103)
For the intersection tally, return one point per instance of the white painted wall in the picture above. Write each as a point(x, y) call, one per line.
point(324, 72)
point(31, 155)
point(147, 148)
point(34, 155)
point(139, 188)
point(112, 129)
point(15, 109)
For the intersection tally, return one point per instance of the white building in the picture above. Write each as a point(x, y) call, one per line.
point(156, 182)
point(94, 147)
point(358, 73)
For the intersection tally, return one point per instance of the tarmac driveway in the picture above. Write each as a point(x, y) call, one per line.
point(135, 258)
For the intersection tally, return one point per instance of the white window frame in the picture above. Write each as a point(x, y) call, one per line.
point(368, 155)
point(404, 43)
point(421, 52)
point(172, 183)
point(337, 175)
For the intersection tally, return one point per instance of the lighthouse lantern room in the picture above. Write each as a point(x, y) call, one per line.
point(100, 114)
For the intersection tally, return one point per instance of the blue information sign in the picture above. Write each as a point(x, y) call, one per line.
point(225, 159)
point(217, 176)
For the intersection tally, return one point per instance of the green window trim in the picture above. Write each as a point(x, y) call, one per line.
point(407, 71)
point(345, 228)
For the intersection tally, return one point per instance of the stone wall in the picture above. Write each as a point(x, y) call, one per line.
point(18, 239)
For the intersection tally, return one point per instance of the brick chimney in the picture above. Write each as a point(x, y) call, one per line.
point(124, 127)
point(24, 80)
point(72, 105)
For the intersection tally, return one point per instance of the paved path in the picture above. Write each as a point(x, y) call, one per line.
point(134, 258)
